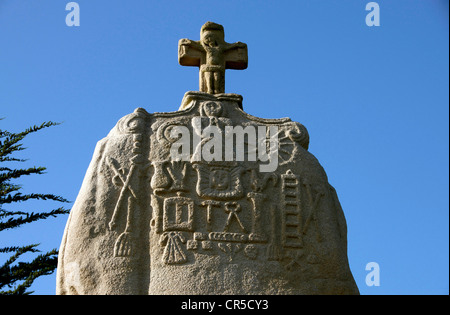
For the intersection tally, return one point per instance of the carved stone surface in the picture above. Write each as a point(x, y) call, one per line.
point(144, 223)
point(151, 219)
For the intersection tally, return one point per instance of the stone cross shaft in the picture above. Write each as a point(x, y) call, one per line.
point(212, 55)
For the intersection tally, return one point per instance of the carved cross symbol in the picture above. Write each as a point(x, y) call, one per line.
point(212, 55)
point(232, 208)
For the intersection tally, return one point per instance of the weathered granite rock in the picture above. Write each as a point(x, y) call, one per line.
point(205, 200)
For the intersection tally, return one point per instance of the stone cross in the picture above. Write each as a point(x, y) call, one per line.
point(212, 55)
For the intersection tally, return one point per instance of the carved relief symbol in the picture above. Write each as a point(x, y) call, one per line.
point(177, 172)
point(219, 179)
point(168, 176)
point(289, 140)
point(123, 179)
point(295, 258)
point(173, 252)
point(259, 200)
point(210, 121)
point(199, 238)
point(230, 248)
point(299, 259)
point(251, 251)
point(232, 208)
point(212, 110)
point(209, 204)
point(313, 205)
point(219, 182)
point(294, 227)
point(292, 211)
point(258, 184)
point(274, 251)
point(178, 214)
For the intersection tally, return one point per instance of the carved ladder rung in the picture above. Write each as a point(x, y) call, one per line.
point(293, 242)
point(291, 203)
point(293, 235)
point(291, 212)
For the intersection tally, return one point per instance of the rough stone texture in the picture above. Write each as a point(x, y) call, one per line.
point(150, 222)
point(144, 223)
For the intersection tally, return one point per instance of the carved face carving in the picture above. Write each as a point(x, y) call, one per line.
point(219, 182)
point(219, 179)
point(212, 38)
point(212, 109)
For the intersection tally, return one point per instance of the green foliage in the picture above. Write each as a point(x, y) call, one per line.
point(17, 276)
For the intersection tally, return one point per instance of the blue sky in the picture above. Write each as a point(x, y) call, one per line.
point(374, 100)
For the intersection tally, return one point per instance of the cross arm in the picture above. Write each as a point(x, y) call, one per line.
point(190, 52)
point(236, 56)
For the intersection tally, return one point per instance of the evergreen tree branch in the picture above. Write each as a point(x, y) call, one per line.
point(4, 177)
point(18, 197)
point(9, 145)
point(25, 217)
point(43, 264)
point(12, 272)
point(14, 249)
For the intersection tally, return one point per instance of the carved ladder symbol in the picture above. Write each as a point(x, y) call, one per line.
point(291, 217)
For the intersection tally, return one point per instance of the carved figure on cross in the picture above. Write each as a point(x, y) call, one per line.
point(212, 55)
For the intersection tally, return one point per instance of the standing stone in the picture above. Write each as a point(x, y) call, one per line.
point(205, 200)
